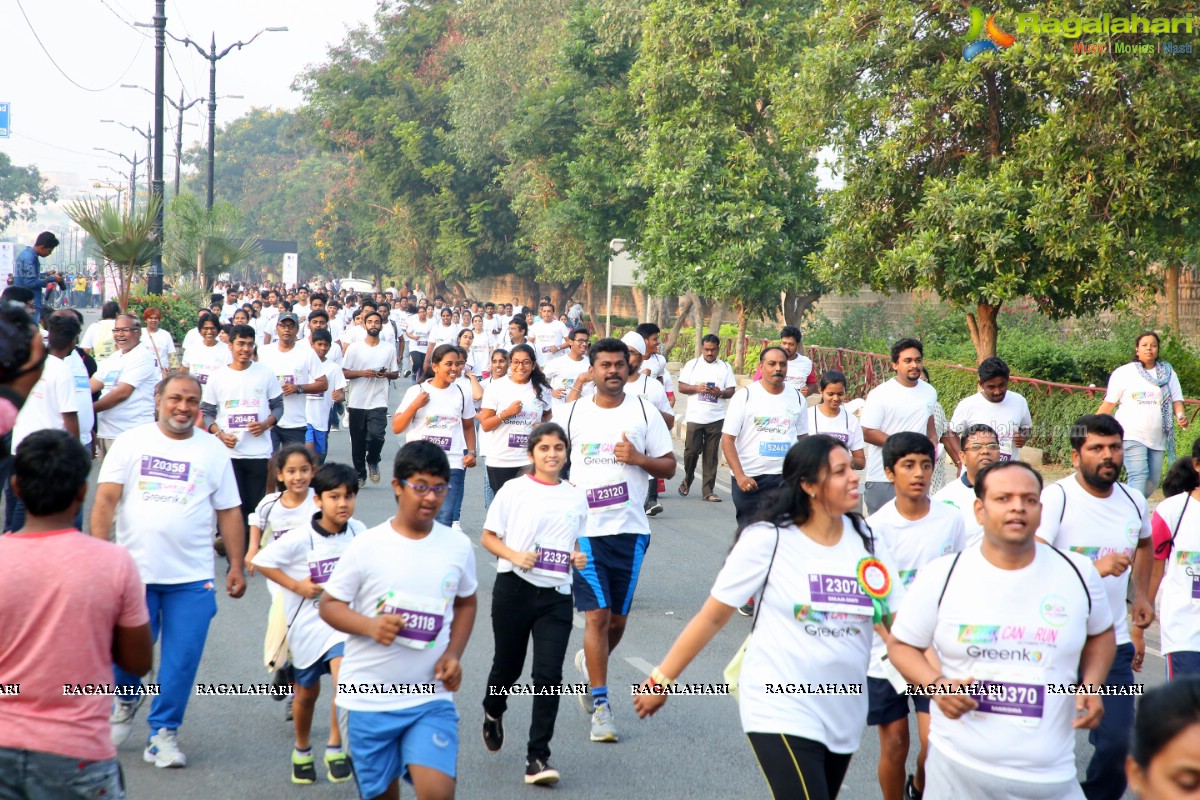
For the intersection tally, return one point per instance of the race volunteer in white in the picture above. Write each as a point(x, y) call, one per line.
point(1090, 513)
point(761, 425)
point(1016, 613)
point(903, 403)
point(126, 379)
point(708, 382)
point(162, 483)
point(1005, 412)
point(617, 443)
point(817, 624)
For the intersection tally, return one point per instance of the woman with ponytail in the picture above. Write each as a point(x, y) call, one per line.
point(1175, 527)
point(512, 407)
point(822, 581)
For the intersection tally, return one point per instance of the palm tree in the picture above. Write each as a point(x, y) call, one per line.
point(124, 239)
point(204, 242)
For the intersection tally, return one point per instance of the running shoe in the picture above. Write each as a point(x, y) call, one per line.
point(162, 750)
point(910, 790)
point(539, 772)
point(654, 509)
point(493, 733)
point(304, 768)
point(121, 722)
point(603, 729)
point(408, 373)
point(282, 677)
point(748, 609)
point(362, 482)
point(585, 700)
point(374, 470)
point(340, 767)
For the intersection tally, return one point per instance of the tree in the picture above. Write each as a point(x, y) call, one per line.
point(203, 242)
point(22, 189)
point(732, 213)
point(1031, 170)
point(124, 239)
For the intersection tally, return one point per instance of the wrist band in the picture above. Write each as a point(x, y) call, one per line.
point(658, 677)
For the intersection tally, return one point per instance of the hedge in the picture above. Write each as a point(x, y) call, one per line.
point(178, 316)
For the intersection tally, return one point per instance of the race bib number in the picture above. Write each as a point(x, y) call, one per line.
point(441, 441)
point(548, 348)
point(1005, 456)
point(422, 343)
point(278, 532)
point(241, 422)
point(842, 437)
point(1025, 701)
point(155, 467)
point(320, 569)
point(552, 563)
point(423, 619)
point(1195, 583)
point(838, 593)
point(202, 377)
point(774, 449)
point(287, 380)
point(709, 398)
point(518, 440)
point(605, 497)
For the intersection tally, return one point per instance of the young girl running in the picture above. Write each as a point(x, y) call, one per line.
point(532, 595)
point(828, 417)
point(299, 563)
point(499, 364)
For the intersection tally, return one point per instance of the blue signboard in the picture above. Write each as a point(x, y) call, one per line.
point(4, 124)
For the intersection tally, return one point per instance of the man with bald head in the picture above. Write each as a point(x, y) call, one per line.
point(126, 380)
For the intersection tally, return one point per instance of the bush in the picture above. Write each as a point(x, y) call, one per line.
point(178, 315)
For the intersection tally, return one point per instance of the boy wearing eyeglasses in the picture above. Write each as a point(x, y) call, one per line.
point(404, 591)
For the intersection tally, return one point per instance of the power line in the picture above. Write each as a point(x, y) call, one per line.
point(133, 27)
point(19, 135)
point(60, 69)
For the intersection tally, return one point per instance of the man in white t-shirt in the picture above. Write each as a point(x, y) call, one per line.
point(299, 372)
point(231, 305)
point(368, 367)
point(126, 380)
point(708, 383)
point(1108, 523)
point(980, 447)
point(549, 336)
point(761, 425)
point(1005, 412)
point(904, 403)
point(162, 483)
point(241, 402)
point(801, 374)
point(418, 332)
point(572, 371)
point(1024, 620)
point(617, 443)
point(652, 391)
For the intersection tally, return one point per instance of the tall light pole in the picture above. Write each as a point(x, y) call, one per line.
point(132, 174)
point(149, 137)
point(179, 107)
point(213, 57)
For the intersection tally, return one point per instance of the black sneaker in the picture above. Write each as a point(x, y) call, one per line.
point(654, 509)
point(539, 772)
point(748, 609)
point(493, 733)
point(282, 677)
point(304, 770)
point(910, 790)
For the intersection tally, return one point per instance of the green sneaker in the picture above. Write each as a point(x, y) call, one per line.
point(304, 768)
point(339, 766)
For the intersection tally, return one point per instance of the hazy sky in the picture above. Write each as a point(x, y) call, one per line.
point(56, 123)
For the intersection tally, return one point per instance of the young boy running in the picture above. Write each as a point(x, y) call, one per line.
point(405, 592)
point(318, 406)
point(301, 561)
point(915, 531)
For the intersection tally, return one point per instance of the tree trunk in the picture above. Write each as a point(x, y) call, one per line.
point(793, 306)
point(672, 338)
point(714, 321)
point(982, 325)
point(463, 293)
point(739, 351)
point(697, 311)
point(639, 302)
point(1173, 296)
point(590, 300)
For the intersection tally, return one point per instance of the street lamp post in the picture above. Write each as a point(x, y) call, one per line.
point(213, 57)
point(149, 137)
point(132, 174)
point(180, 107)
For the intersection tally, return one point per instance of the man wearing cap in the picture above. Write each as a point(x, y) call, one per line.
point(652, 390)
point(299, 372)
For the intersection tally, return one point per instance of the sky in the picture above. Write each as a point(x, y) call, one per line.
point(56, 123)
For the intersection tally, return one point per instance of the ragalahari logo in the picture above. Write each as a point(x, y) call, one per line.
point(982, 36)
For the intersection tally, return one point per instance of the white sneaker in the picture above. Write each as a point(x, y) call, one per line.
point(585, 700)
point(121, 721)
point(163, 750)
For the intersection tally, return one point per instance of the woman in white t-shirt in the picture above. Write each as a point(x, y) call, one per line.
point(209, 355)
point(499, 369)
point(512, 407)
point(156, 341)
point(532, 595)
point(828, 417)
point(813, 560)
point(440, 410)
point(1175, 528)
point(1145, 393)
point(482, 344)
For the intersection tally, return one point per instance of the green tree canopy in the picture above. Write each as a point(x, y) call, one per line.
point(22, 189)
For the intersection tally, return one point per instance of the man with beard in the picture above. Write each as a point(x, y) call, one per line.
point(1090, 513)
point(905, 403)
point(162, 483)
point(980, 447)
point(368, 366)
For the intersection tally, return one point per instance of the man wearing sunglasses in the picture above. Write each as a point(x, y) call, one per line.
point(126, 380)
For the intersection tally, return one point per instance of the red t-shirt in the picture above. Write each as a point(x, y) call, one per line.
point(62, 595)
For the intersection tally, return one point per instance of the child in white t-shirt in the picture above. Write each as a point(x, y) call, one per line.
point(300, 562)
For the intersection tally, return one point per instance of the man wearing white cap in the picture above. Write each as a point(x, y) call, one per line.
point(617, 441)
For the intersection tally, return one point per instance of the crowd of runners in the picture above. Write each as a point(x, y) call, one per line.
point(1005, 612)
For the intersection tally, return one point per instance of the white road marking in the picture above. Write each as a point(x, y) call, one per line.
point(640, 664)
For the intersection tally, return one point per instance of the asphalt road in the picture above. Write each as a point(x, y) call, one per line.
point(238, 747)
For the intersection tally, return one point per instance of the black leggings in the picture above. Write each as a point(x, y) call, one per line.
point(799, 769)
point(498, 476)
